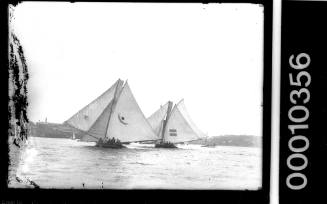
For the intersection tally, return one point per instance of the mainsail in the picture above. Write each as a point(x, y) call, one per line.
point(127, 122)
point(100, 127)
point(180, 127)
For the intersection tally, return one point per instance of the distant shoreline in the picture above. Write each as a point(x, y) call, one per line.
point(53, 130)
point(57, 130)
point(231, 140)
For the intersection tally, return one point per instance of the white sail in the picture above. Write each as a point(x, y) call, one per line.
point(86, 117)
point(182, 109)
point(178, 129)
point(157, 118)
point(127, 122)
point(99, 128)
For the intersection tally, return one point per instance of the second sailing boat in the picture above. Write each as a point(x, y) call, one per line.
point(174, 125)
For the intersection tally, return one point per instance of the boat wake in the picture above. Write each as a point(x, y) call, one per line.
point(135, 145)
point(189, 146)
point(78, 143)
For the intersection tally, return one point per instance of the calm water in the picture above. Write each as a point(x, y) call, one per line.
point(65, 163)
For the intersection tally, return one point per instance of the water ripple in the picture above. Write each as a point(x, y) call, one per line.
point(64, 163)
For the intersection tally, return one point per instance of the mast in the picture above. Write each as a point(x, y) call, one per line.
point(112, 106)
point(157, 118)
point(170, 104)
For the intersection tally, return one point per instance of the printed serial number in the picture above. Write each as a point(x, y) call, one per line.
point(298, 115)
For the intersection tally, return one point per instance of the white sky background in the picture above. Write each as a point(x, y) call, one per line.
point(209, 54)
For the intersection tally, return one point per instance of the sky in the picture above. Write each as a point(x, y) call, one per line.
point(210, 55)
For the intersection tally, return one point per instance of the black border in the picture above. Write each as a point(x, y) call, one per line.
point(303, 32)
point(148, 196)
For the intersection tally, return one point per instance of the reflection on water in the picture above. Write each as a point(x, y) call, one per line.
point(65, 163)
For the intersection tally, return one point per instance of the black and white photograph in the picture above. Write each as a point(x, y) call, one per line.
point(136, 95)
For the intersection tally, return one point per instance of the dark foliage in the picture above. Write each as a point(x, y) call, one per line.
point(18, 76)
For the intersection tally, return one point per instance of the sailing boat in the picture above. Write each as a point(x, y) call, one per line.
point(174, 125)
point(113, 119)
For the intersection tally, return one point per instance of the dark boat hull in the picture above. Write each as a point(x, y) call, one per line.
point(165, 145)
point(110, 145)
